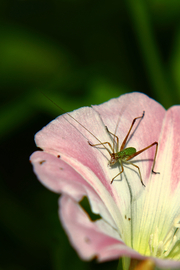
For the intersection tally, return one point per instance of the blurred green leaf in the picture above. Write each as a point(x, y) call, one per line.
point(103, 90)
point(165, 11)
point(27, 58)
point(15, 113)
point(175, 62)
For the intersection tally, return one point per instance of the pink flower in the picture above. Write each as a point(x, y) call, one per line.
point(136, 222)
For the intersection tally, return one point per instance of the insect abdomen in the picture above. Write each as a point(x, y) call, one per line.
point(126, 153)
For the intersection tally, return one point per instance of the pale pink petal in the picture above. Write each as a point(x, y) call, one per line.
point(164, 189)
point(125, 206)
point(58, 176)
point(173, 115)
point(91, 239)
point(159, 204)
point(126, 108)
point(70, 141)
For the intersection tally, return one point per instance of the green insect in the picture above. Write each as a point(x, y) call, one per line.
point(125, 154)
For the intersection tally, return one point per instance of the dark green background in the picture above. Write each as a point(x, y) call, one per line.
point(78, 53)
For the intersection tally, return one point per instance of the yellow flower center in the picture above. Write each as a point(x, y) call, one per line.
point(168, 247)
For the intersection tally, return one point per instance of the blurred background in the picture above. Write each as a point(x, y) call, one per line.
point(77, 52)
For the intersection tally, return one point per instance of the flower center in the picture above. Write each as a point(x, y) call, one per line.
point(163, 248)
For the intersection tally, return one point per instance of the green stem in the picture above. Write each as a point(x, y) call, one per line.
point(157, 75)
point(119, 264)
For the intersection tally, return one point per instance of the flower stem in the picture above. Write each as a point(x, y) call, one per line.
point(119, 264)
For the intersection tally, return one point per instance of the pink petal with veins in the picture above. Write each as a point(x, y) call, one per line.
point(90, 239)
point(82, 170)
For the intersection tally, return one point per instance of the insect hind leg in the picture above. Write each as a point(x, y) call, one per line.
point(144, 149)
point(138, 170)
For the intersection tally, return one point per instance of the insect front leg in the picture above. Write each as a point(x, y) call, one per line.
point(98, 144)
point(122, 170)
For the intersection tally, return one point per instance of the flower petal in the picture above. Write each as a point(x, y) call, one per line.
point(58, 176)
point(155, 211)
point(122, 111)
point(90, 239)
point(129, 211)
point(97, 239)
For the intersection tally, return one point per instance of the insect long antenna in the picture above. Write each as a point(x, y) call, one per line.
point(77, 122)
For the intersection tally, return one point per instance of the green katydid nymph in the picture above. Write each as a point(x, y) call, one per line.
point(122, 154)
point(126, 154)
